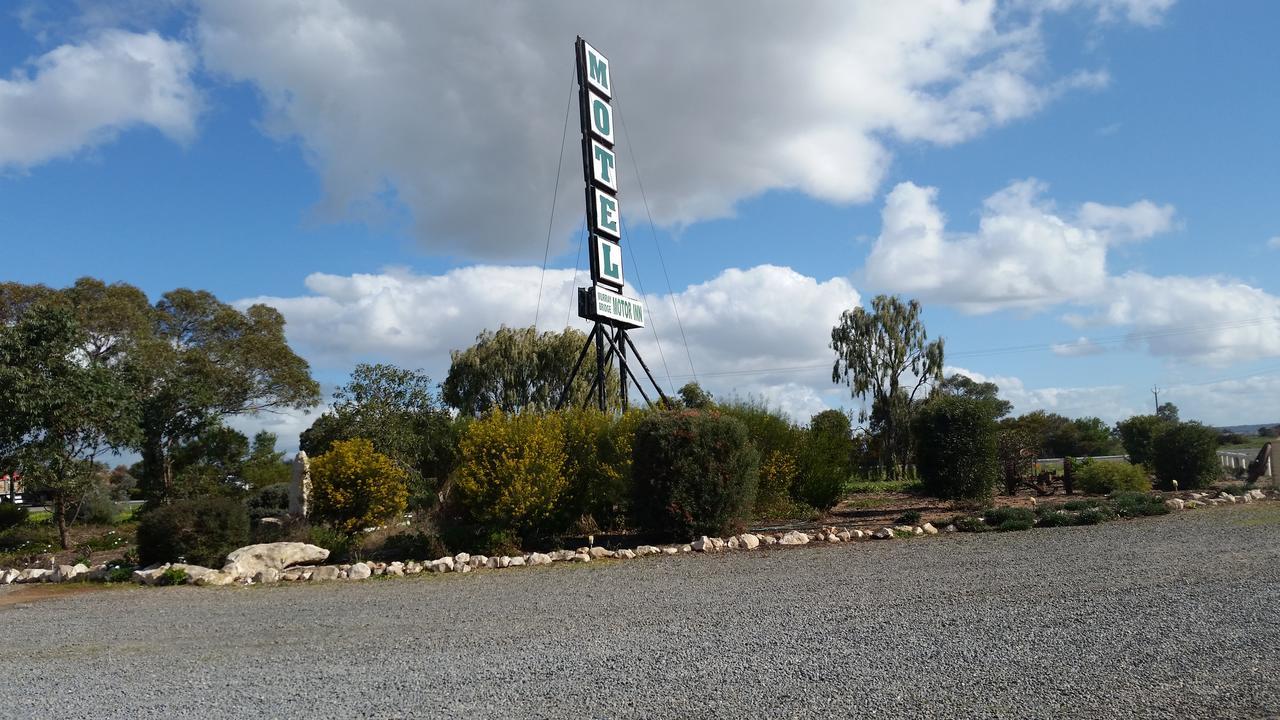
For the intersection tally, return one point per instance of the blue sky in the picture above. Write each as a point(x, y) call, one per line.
point(1083, 194)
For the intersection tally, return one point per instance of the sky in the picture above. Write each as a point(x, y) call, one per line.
point(1083, 194)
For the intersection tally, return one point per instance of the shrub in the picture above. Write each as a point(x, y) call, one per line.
point(956, 448)
point(97, 506)
point(200, 531)
point(172, 576)
point(11, 516)
point(411, 545)
point(1137, 435)
point(826, 454)
point(120, 574)
point(910, 517)
point(268, 501)
point(1055, 518)
point(597, 468)
point(778, 442)
point(1010, 518)
point(695, 473)
point(1186, 452)
point(354, 487)
point(968, 523)
point(511, 475)
point(1101, 478)
point(1092, 516)
point(1137, 504)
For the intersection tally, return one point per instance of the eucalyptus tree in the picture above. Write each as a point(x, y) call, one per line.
point(884, 355)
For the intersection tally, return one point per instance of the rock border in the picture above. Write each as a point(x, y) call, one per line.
point(265, 572)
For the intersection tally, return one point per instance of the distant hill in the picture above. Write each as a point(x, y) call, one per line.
point(1246, 429)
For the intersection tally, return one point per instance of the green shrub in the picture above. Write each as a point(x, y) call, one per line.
point(597, 450)
point(1092, 516)
point(1137, 435)
point(1055, 518)
point(411, 545)
point(341, 546)
point(172, 576)
point(123, 573)
point(268, 501)
point(969, 523)
point(826, 452)
point(1010, 518)
point(354, 487)
point(1186, 452)
point(511, 475)
point(1079, 505)
point(778, 442)
point(1137, 504)
point(11, 516)
point(956, 448)
point(1101, 478)
point(910, 517)
point(200, 531)
point(695, 473)
point(97, 506)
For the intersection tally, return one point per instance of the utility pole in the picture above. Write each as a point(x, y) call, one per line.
point(1155, 390)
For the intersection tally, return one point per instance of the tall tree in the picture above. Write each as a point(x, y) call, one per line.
point(398, 410)
point(987, 393)
point(207, 361)
point(517, 369)
point(61, 409)
point(885, 355)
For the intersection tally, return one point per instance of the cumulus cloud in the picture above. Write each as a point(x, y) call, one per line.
point(455, 109)
point(1025, 254)
point(737, 323)
point(78, 96)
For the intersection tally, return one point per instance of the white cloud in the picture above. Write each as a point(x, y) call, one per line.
point(1079, 347)
point(764, 317)
point(1109, 402)
point(453, 109)
point(1024, 254)
point(1274, 243)
point(1208, 320)
point(1148, 13)
point(79, 96)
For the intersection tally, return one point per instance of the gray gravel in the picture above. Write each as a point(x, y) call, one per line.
point(1167, 617)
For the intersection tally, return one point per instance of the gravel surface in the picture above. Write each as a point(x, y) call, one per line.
point(1168, 617)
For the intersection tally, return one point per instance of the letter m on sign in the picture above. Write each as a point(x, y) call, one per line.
point(597, 67)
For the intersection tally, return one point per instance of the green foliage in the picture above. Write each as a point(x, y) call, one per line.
point(353, 486)
point(1016, 454)
point(875, 351)
point(1101, 478)
point(1186, 452)
point(519, 369)
point(1059, 436)
point(694, 397)
point(986, 393)
point(268, 501)
point(1055, 518)
point(695, 473)
point(12, 516)
point(199, 531)
point(172, 576)
point(511, 474)
point(1093, 516)
point(120, 574)
point(1137, 504)
point(1010, 518)
point(597, 449)
point(416, 544)
point(910, 517)
point(826, 460)
point(265, 465)
point(778, 442)
point(96, 507)
point(58, 408)
point(399, 411)
point(956, 452)
point(1137, 436)
point(969, 523)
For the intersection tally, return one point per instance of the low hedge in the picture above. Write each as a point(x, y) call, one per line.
point(199, 531)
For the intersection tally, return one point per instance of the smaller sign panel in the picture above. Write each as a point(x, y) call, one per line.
point(606, 266)
point(626, 311)
point(605, 214)
point(597, 67)
point(601, 117)
point(604, 167)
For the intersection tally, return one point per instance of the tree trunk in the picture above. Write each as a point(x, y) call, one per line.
point(60, 517)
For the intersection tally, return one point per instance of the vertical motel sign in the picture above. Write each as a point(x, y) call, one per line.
point(603, 301)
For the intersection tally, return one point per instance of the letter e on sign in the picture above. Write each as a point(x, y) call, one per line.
point(606, 214)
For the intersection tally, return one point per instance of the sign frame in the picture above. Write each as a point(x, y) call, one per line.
point(603, 253)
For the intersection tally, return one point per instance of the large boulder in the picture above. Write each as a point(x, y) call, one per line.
point(252, 559)
point(8, 576)
point(359, 571)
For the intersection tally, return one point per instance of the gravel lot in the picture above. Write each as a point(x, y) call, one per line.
point(1169, 617)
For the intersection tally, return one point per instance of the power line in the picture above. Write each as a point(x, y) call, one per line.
point(657, 246)
point(546, 251)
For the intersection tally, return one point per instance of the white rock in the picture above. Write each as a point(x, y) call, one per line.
point(748, 541)
point(395, 568)
point(1198, 496)
point(625, 554)
point(8, 576)
point(683, 548)
point(844, 535)
point(907, 529)
point(148, 576)
point(1174, 503)
point(580, 557)
point(33, 575)
point(1257, 494)
point(883, 533)
point(929, 529)
point(598, 552)
point(1192, 504)
point(216, 578)
point(670, 550)
point(645, 550)
point(293, 574)
point(703, 544)
point(562, 555)
point(795, 537)
point(479, 561)
point(359, 571)
point(266, 576)
point(412, 567)
point(733, 543)
point(857, 534)
point(461, 559)
point(534, 559)
point(1246, 498)
point(768, 540)
point(63, 573)
point(248, 560)
point(950, 529)
point(325, 572)
point(444, 564)
point(1228, 497)
point(521, 561)
point(462, 568)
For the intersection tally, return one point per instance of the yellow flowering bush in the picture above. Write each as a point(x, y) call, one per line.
point(511, 473)
point(354, 487)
